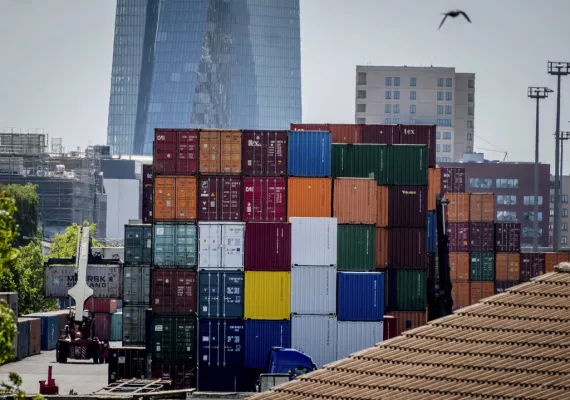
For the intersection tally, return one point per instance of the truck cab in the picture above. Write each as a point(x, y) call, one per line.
point(284, 365)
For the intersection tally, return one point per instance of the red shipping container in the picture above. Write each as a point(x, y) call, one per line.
point(175, 151)
point(420, 134)
point(174, 291)
point(508, 237)
point(407, 247)
point(406, 320)
point(458, 234)
point(268, 246)
point(147, 174)
point(309, 127)
point(532, 265)
point(102, 326)
point(219, 198)
point(35, 336)
point(346, 133)
point(101, 305)
point(187, 154)
point(452, 180)
point(480, 290)
point(482, 237)
point(407, 206)
point(390, 327)
point(182, 375)
point(147, 194)
point(264, 199)
point(264, 153)
point(380, 134)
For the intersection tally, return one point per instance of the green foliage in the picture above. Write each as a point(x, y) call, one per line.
point(7, 230)
point(7, 332)
point(65, 245)
point(13, 389)
point(27, 213)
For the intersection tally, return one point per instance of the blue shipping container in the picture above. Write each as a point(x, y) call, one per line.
point(50, 334)
point(360, 296)
point(221, 343)
point(309, 153)
point(221, 294)
point(23, 339)
point(116, 327)
point(219, 379)
point(261, 336)
point(431, 233)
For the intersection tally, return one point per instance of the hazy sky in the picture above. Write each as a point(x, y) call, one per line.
point(56, 62)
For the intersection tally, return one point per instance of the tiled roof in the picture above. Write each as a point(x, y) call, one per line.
point(515, 345)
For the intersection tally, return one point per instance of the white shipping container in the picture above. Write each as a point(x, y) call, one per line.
point(313, 241)
point(316, 336)
point(356, 336)
point(105, 280)
point(313, 290)
point(221, 245)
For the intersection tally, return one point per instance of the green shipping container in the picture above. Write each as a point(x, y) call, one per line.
point(356, 248)
point(410, 289)
point(482, 267)
point(175, 245)
point(408, 165)
point(360, 161)
point(174, 338)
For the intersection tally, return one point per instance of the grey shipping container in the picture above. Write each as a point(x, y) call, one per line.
point(138, 244)
point(221, 294)
point(134, 325)
point(12, 299)
point(136, 283)
point(105, 280)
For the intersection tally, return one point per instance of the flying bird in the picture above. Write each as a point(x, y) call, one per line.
point(453, 14)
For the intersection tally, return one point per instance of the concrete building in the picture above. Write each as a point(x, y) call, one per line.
point(565, 220)
point(513, 187)
point(420, 95)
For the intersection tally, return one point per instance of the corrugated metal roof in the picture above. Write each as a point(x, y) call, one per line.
point(515, 345)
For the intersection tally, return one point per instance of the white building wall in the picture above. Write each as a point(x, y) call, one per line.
point(123, 204)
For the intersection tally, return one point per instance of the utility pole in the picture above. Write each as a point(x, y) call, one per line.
point(558, 69)
point(537, 93)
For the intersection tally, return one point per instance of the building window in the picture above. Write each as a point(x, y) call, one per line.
point(361, 94)
point(440, 82)
point(508, 200)
point(412, 108)
point(563, 240)
point(551, 226)
point(438, 135)
point(448, 96)
point(529, 200)
point(449, 82)
point(448, 109)
point(395, 120)
point(470, 137)
point(396, 108)
point(529, 232)
point(412, 95)
point(361, 121)
point(447, 148)
point(396, 81)
point(387, 121)
point(507, 183)
point(361, 79)
point(471, 84)
point(444, 122)
point(550, 240)
point(529, 216)
point(440, 109)
point(413, 81)
point(447, 135)
point(564, 198)
point(469, 149)
point(469, 110)
point(481, 183)
point(361, 108)
point(552, 198)
point(506, 216)
point(469, 124)
point(564, 212)
point(388, 95)
point(437, 148)
point(388, 81)
point(397, 94)
point(551, 212)
point(412, 121)
point(471, 97)
point(388, 108)
point(440, 96)
point(564, 226)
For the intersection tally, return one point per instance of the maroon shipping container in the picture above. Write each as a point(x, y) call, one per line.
point(452, 180)
point(532, 265)
point(482, 237)
point(102, 326)
point(268, 246)
point(187, 156)
point(380, 134)
point(407, 206)
point(35, 336)
point(309, 127)
point(146, 214)
point(174, 291)
point(407, 248)
point(175, 151)
point(346, 133)
point(264, 199)
point(219, 198)
point(501, 287)
point(108, 306)
point(458, 234)
point(264, 153)
point(147, 174)
point(420, 134)
point(390, 327)
point(182, 375)
point(508, 237)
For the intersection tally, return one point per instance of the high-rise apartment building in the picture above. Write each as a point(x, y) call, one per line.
point(420, 95)
point(202, 64)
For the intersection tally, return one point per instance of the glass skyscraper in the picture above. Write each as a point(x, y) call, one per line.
point(202, 64)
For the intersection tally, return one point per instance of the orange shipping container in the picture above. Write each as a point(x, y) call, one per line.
point(507, 267)
point(346, 133)
point(175, 198)
point(480, 290)
point(186, 199)
point(220, 152)
point(382, 248)
point(309, 197)
point(482, 207)
point(382, 211)
point(406, 320)
point(355, 200)
point(459, 266)
point(460, 294)
point(553, 259)
point(434, 186)
point(458, 208)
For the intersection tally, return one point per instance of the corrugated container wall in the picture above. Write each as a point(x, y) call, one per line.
point(346, 133)
point(482, 207)
point(408, 206)
point(407, 290)
point(264, 199)
point(481, 290)
point(138, 244)
point(174, 291)
point(175, 151)
point(147, 195)
point(221, 343)
point(314, 241)
point(261, 336)
point(380, 134)
point(508, 237)
point(553, 259)
point(382, 247)
point(356, 248)
point(390, 328)
point(23, 332)
point(458, 208)
point(459, 267)
point(356, 336)
point(267, 295)
point(268, 246)
point(309, 153)
point(355, 201)
point(175, 198)
point(482, 267)
point(264, 153)
point(460, 293)
point(116, 327)
point(382, 196)
point(315, 335)
point(105, 280)
point(309, 127)
point(508, 267)
point(407, 247)
point(100, 305)
point(458, 233)
point(432, 232)
point(134, 325)
point(313, 290)
point(360, 161)
point(127, 363)
point(221, 294)
point(136, 285)
point(102, 326)
point(49, 329)
point(532, 265)
point(35, 336)
point(175, 245)
point(452, 180)
point(420, 134)
point(360, 296)
point(408, 165)
point(482, 236)
point(434, 187)
point(174, 338)
point(309, 197)
point(406, 320)
point(219, 198)
point(221, 245)
point(220, 152)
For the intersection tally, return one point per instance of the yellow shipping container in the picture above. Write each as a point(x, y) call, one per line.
point(267, 295)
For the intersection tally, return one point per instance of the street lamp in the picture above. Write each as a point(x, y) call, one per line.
point(558, 69)
point(537, 93)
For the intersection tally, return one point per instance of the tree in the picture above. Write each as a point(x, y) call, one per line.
point(27, 213)
point(65, 245)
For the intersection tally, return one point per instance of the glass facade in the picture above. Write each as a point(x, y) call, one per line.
point(203, 64)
